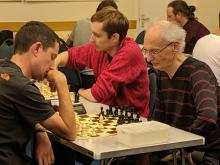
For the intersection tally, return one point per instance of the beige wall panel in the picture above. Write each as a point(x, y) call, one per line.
point(61, 12)
point(57, 11)
point(208, 13)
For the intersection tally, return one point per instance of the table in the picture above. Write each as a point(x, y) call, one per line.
point(101, 148)
point(92, 107)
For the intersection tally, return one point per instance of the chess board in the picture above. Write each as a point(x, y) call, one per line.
point(46, 92)
point(92, 126)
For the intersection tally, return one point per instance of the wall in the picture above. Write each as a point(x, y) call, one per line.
point(59, 11)
point(207, 12)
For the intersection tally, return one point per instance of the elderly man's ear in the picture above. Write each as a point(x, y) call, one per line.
point(176, 46)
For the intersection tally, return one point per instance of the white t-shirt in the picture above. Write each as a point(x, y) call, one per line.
point(207, 49)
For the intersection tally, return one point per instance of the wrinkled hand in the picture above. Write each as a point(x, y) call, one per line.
point(43, 150)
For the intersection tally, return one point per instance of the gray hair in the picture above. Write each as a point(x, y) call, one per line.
point(172, 32)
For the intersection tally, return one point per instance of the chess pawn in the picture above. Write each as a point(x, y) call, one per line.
point(102, 111)
point(101, 119)
point(116, 112)
point(83, 129)
point(126, 117)
point(110, 111)
point(107, 113)
point(131, 118)
point(119, 120)
point(78, 126)
point(137, 119)
point(121, 112)
point(76, 99)
point(93, 132)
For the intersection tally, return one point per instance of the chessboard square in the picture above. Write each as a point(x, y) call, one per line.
point(83, 116)
point(111, 118)
point(110, 127)
point(98, 131)
point(112, 132)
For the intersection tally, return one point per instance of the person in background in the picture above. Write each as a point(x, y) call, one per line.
point(81, 35)
point(180, 12)
point(117, 62)
point(24, 113)
point(187, 90)
point(207, 49)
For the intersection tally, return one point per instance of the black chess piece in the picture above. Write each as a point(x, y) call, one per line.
point(126, 118)
point(107, 113)
point(110, 111)
point(137, 119)
point(102, 113)
point(116, 112)
point(120, 119)
point(121, 111)
point(131, 117)
point(76, 99)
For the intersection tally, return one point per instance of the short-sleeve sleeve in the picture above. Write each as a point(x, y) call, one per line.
point(32, 106)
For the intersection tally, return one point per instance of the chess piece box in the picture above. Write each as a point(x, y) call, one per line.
point(144, 133)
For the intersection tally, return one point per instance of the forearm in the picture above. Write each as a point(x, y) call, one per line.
point(40, 132)
point(65, 107)
point(43, 147)
point(62, 124)
point(62, 59)
point(86, 93)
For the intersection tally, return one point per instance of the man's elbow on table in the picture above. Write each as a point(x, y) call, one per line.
point(63, 127)
point(71, 135)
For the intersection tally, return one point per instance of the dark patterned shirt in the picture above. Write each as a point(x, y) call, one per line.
point(190, 101)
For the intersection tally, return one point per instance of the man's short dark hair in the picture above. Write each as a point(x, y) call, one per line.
point(32, 32)
point(113, 22)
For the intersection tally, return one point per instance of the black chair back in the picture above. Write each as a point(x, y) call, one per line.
point(7, 49)
point(72, 75)
point(140, 38)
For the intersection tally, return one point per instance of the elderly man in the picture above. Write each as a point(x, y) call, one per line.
point(187, 88)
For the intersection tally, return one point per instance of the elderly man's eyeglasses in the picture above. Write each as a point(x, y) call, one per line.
point(154, 51)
